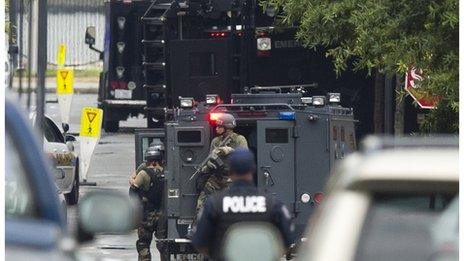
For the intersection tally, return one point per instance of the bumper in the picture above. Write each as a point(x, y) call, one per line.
point(125, 103)
point(180, 249)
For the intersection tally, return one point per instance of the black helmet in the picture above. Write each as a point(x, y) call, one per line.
point(154, 153)
point(157, 143)
point(226, 120)
point(242, 161)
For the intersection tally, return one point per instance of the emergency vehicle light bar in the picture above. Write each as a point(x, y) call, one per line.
point(218, 34)
point(214, 116)
point(253, 106)
point(287, 115)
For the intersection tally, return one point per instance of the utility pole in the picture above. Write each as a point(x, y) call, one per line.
point(399, 109)
point(29, 53)
point(20, 47)
point(389, 102)
point(41, 66)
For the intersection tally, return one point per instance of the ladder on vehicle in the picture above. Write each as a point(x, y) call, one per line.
point(156, 34)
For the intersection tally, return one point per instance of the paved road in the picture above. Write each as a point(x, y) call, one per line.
point(112, 162)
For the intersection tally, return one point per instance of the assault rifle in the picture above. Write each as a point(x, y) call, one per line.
point(210, 156)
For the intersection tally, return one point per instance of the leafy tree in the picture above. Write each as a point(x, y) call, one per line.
point(388, 36)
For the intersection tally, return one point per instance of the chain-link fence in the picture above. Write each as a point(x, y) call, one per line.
point(67, 22)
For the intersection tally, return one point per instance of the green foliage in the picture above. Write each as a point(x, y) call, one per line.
point(388, 35)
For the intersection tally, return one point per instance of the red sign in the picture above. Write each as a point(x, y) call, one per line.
point(412, 84)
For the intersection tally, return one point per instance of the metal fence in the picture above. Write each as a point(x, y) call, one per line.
point(67, 22)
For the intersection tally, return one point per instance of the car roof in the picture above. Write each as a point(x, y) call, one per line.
point(411, 166)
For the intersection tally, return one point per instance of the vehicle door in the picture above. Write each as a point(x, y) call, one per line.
point(63, 158)
point(275, 159)
point(34, 224)
point(200, 67)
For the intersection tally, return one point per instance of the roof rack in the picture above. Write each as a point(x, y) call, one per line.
point(292, 88)
point(253, 106)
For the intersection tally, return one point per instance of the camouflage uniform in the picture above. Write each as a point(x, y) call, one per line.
point(216, 180)
point(151, 214)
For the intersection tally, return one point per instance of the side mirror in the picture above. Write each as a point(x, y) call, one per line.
point(253, 241)
point(106, 212)
point(90, 35)
point(70, 138)
point(65, 127)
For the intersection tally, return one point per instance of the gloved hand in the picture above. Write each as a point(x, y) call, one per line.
point(211, 165)
point(215, 152)
point(224, 150)
point(205, 168)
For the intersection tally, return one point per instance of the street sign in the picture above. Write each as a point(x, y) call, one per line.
point(65, 91)
point(90, 131)
point(412, 85)
point(64, 81)
point(61, 55)
point(91, 120)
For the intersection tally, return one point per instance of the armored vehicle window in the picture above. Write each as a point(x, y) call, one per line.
point(202, 64)
point(189, 136)
point(276, 135)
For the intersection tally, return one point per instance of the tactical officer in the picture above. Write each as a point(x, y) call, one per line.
point(214, 174)
point(147, 185)
point(242, 202)
point(156, 143)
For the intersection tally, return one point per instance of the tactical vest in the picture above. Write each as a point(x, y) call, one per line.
point(232, 142)
point(239, 204)
point(155, 192)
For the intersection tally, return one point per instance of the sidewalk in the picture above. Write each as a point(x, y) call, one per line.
point(81, 85)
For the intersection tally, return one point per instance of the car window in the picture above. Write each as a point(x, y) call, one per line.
point(52, 133)
point(398, 227)
point(18, 194)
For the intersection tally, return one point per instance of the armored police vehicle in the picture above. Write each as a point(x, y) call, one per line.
point(296, 141)
point(158, 50)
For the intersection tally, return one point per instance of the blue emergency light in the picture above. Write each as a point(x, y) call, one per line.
point(287, 115)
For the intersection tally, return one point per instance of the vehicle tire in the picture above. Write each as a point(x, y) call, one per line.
point(111, 126)
point(73, 197)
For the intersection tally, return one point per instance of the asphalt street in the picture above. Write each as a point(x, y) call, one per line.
point(112, 163)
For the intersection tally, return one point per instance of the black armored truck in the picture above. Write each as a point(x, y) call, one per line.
point(296, 139)
point(157, 50)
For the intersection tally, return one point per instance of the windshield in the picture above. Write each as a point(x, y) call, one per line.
point(398, 227)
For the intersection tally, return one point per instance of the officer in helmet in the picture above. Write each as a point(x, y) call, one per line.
point(214, 175)
point(147, 185)
point(242, 202)
point(156, 143)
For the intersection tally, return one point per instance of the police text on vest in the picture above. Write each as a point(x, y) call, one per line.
point(240, 204)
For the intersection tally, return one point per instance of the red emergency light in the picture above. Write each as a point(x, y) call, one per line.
point(318, 197)
point(214, 116)
point(218, 34)
point(118, 85)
